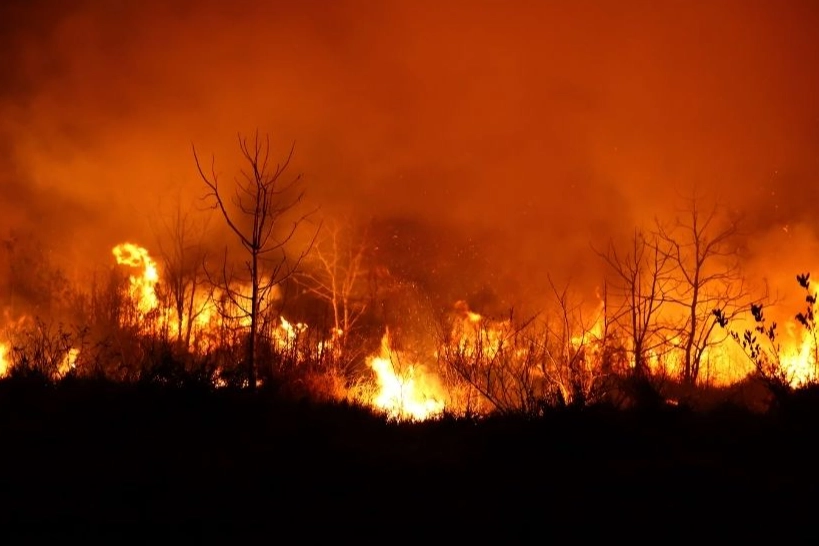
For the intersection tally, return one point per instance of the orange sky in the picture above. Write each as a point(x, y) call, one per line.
point(536, 127)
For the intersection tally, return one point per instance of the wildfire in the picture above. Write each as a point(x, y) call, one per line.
point(567, 355)
point(142, 289)
point(290, 330)
point(799, 356)
point(405, 391)
point(596, 332)
point(474, 335)
point(142, 285)
point(4, 364)
point(69, 362)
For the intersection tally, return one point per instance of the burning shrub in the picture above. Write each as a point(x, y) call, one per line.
point(530, 365)
point(42, 348)
point(130, 328)
point(407, 389)
point(762, 347)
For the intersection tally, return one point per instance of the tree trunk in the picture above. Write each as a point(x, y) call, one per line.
point(689, 373)
point(639, 362)
point(254, 321)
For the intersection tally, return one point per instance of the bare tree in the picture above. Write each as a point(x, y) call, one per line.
point(258, 215)
point(701, 248)
point(574, 350)
point(337, 278)
point(642, 280)
point(183, 255)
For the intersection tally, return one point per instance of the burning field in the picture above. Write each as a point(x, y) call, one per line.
point(146, 321)
point(402, 243)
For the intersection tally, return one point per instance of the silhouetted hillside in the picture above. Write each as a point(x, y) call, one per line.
point(103, 460)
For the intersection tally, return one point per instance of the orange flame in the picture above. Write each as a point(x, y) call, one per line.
point(472, 333)
point(69, 362)
point(799, 356)
point(4, 364)
point(405, 392)
point(409, 390)
point(142, 286)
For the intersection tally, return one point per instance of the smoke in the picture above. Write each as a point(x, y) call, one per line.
point(517, 133)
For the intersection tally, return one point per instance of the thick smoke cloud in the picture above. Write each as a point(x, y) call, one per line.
point(522, 131)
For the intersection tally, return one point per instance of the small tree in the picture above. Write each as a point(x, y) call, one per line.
point(183, 255)
point(701, 250)
point(256, 213)
point(575, 350)
point(641, 282)
point(337, 278)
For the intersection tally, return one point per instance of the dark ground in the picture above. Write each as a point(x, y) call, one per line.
point(125, 463)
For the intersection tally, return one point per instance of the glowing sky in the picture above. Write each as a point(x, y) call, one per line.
point(534, 127)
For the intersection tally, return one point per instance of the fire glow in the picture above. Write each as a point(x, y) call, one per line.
point(477, 159)
point(4, 363)
point(408, 390)
point(405, 390)
point(143, 286)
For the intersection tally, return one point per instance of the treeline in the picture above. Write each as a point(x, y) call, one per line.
point(304, 304)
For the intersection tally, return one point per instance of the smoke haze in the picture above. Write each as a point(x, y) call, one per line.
point(517, 133)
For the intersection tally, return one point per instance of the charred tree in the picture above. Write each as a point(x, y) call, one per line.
point(260, 214)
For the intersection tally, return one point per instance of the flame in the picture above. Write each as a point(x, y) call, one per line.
point(143, 290)
point(408, 390)
point(286, 337)
point(69, 362)
point(405, 392)
point(143, 285)
point(290, 330)
point(4, 364)
point(597, 330)
point(799, 356)
point(473, 334)
point(332, 345)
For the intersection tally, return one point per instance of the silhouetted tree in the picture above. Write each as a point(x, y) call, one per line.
point(182, 253)
point(256, 214)
point(641, 281)
point(338, 278)
point(575, 352)
point(701, 248)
